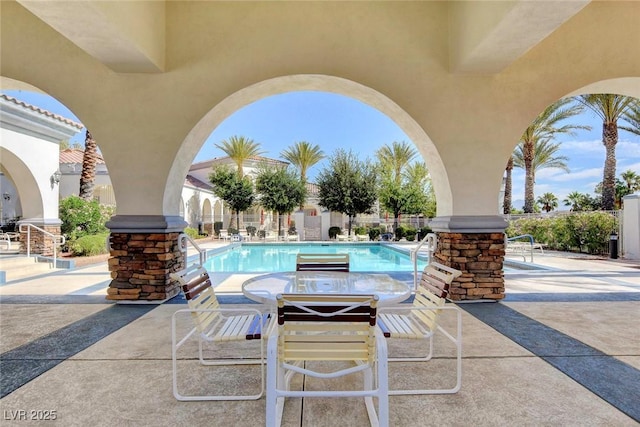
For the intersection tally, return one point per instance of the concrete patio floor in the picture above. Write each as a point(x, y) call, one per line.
point(562, 349)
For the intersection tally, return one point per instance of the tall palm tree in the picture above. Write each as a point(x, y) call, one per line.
point(240, 149)
point(506, 203)
point(303, 155)
point(396, 157)
point(89, 161)
point(544, 156)
point(543, 128)
point(610, 108)
point(548, 201)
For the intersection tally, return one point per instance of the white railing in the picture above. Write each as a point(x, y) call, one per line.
point(183, 241)
point(513, 246)
point(431, 240)
point(57, 240)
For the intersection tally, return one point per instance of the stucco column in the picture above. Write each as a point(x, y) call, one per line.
point(144, 251)
point(475, 246)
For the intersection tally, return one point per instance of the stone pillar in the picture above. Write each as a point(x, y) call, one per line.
point(40, 243)
point(475, 246)
point(144, 251)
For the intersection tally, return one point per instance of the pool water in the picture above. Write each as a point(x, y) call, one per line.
point(269, 258)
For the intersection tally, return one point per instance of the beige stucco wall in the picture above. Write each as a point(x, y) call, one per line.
point(394, 56)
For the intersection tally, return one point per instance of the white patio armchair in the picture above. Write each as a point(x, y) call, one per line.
point(216, 327)
point(421, 321)
point(339, 328)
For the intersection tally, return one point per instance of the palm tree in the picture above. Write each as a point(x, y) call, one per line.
point(544, 156)
point(548, 201)
point(632, 116)
point(240, 149)
point(88, 174)
point(506, 203)
point(631, 180)
point(610, 108)
point(543, 128)
point(303, 155)
point(396, 157)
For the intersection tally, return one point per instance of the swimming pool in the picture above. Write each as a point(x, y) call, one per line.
point(269, 258)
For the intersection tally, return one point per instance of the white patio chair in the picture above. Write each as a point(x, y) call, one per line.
point(223, 235)
point(421, 321)
point(322, 262)
point(213, 324)
point(327, 328)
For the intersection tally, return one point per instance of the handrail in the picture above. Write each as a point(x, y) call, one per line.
point(57, 240)
point(432, 242)
point(531, 242)
point(183, 239)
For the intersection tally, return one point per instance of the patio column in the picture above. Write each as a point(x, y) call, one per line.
point(144, 251)
point(475, 246)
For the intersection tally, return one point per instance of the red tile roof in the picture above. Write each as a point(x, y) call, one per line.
point(41, 111)
point(73, 155)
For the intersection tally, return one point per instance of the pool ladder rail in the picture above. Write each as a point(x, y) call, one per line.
point(184, 240)
point(431, 242)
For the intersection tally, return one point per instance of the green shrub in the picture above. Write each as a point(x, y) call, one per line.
point(586, 231)
point(89, 245)
point(191, 232)
point(410, 233)
point(360, 230)
point(374, 233)
point(334, 231)
point(81, 218)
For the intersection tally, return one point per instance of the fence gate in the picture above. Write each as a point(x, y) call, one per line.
point(312, 228)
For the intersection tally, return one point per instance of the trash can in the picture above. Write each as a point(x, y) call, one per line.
point(613, 246)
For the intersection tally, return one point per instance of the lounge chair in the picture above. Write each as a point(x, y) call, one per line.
point(327, 328)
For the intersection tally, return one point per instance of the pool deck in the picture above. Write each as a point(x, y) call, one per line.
point(563, 348)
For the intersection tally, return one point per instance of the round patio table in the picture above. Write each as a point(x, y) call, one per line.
point(265, 288)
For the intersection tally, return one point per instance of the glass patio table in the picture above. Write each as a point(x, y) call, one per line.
point(265, 288)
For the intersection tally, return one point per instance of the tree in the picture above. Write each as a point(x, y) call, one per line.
point(236, 191)
point(402, 185)
point(240, 149)
point(632, 116)
point(303, 155)
point(548, 201)
point(581, 202)
point(89, 161)
point(347, 185)
point(631, 180)
point(506, 203)
point(396, 157)
point(542, 130)
point(280, 190)
point(610, 108)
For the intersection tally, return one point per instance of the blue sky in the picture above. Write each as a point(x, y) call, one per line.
point(334, 121)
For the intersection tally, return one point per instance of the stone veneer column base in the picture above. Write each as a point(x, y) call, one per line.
point(144, 251)
point(475, 246)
